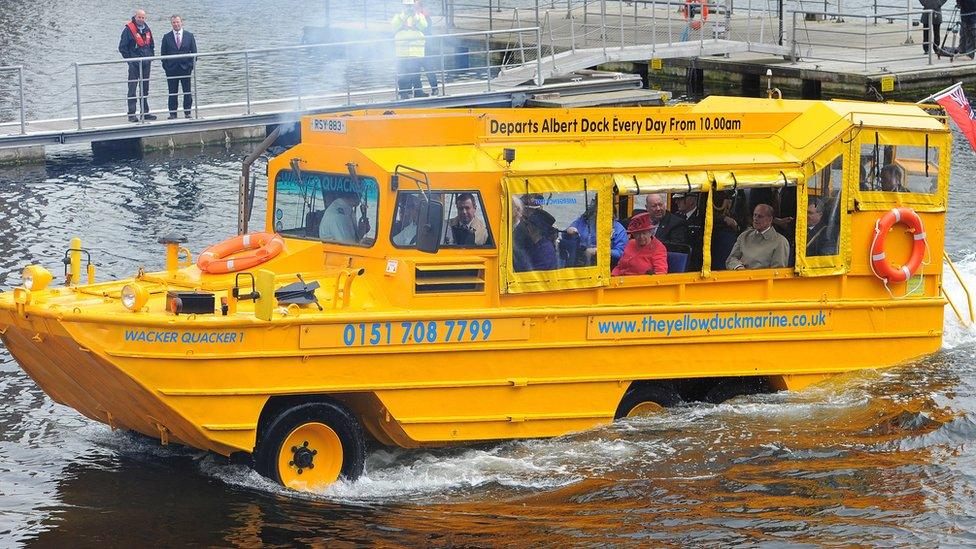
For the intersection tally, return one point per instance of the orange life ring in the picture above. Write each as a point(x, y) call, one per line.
point(879, 262)
point(686, 9)
point(264, 245)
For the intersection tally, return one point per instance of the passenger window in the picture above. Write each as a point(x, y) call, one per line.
point(921, 168)
point(554, 231)
point(674, 222)
point(899, 168)
point(465, 224)
point(823, 210)
point(557, 232)
point(754, 227)
point(331, 207)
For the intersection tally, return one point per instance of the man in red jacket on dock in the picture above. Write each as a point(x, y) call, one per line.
point(137, 41)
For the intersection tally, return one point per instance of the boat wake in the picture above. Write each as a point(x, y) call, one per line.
point(955, 334)
point(636, 448)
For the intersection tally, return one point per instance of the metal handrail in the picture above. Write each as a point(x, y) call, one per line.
point(249, 60)
point(866, 48)
point(965, 289)
point(20, 93)
point(300, 47)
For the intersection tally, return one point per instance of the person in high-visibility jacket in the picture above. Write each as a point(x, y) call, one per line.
point(410, 42)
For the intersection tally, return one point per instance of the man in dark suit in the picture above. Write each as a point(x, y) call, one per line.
point(671, 229)
point(137, 41)
point(687, 207)
point(179, 42)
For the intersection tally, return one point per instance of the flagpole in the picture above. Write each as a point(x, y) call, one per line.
point(927, 99)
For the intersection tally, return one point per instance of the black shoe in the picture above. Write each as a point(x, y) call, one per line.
point(419, 94)
point(133, 118)
point(172, 116)
point(149, 117)
point(187, 115)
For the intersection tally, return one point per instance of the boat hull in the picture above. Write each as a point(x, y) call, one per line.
point(206, 389)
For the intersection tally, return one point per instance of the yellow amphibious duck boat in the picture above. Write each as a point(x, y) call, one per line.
point(432, 277)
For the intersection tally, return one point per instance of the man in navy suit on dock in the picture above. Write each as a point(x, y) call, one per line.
point(178, 71)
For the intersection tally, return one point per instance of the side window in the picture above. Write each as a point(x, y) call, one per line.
point(823, 210)
point(465, 224)
point(557, 232)
point(754, 228)
point(330, 207)
point(554, 231)
point(921, 168)
point(673, 243)
point(403, 230)
point(899, 168)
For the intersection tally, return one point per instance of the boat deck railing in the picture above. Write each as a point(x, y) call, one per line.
point(293, 78)
point(14, 108)
point(862, 39)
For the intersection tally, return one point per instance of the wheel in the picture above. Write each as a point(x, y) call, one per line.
point(736, 386)
point(310, 446)
point(647, 399)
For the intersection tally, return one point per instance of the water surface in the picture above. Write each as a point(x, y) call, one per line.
point(880, 457)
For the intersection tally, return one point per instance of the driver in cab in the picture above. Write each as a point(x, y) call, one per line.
point(466, 228)
point(339, 220)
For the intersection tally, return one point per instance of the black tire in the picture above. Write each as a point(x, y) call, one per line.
point(662, 395)
point(730, 388)
point(336, 416)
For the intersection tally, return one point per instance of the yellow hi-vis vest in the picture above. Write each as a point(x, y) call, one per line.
point(408, 34)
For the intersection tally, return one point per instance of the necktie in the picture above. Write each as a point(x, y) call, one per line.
point(179, 40)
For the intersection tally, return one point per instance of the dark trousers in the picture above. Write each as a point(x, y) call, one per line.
point(932, 21)
point(139, 78)
point(431, 63)
point(408, 77)
point(426, 65)
point(967, 33)
point(174, 80)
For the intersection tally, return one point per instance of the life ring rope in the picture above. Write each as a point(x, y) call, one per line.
point(921, 254)
point(263, 247)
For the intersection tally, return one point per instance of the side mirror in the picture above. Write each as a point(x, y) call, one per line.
point(430, 219)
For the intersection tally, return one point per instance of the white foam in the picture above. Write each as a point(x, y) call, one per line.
point(433, 475)
point(955, 333)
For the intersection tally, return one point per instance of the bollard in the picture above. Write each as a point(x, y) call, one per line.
point(75, 256)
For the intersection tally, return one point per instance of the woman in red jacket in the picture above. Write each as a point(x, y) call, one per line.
point(644, 254)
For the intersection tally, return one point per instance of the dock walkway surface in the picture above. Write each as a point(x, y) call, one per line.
point(495, 53)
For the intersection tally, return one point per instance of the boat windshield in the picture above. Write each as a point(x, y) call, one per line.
point(331, 207)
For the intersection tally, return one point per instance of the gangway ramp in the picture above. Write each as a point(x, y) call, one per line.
point(567, 62)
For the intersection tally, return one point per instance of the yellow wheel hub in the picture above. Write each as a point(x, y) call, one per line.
point(646, 409)
point(310, 458)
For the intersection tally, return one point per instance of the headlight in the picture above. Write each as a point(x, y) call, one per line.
point(134, 297)
point(36, 278)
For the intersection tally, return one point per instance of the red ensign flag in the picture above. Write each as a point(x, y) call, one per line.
point(955, 103)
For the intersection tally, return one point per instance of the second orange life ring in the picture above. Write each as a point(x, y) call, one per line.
point(264, 245)
point(879, 262)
